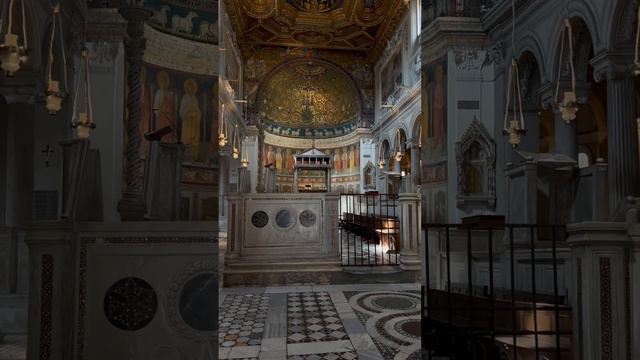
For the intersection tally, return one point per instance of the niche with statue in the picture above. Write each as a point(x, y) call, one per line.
point(476, 158)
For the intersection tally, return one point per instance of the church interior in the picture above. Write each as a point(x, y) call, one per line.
point(319, 179)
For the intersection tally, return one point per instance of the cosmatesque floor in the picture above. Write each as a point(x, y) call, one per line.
point(336, 322)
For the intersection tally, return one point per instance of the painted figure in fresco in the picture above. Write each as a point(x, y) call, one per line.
point(163, 106)
point(345, 159)
point(279, 160)
point(271, 157)
point(145, 121)
point(337, 164)
point(352, 157)
point(289, 162)
point(191, 116)
point(357, 147)
point(438, 108)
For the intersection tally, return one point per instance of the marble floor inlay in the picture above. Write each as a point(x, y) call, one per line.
point(328, 322)
point(242, 320)
point(311, 317)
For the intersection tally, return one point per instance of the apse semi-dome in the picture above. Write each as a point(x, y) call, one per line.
point(310, 99)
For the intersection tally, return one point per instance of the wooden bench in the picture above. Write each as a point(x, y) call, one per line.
point(373, 229)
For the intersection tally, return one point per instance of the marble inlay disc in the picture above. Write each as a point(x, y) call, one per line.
point(284, 219)
point(260, 219)
point(307, 218)
point(130, 304)
point(199, 302)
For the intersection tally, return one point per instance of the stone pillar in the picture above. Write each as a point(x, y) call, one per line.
point(223, 187)
point(600, 290)
point(624, 163)
point(132, 206)
point(52, 305)
point(416, 178)
point(409, 204)
point(566, 140)
point(251, 152)
point(332, 237)
point(634, 283)
point(235, 225)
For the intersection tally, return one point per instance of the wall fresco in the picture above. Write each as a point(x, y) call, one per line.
point(191, 19)
point(188, 104)
point(345, 176)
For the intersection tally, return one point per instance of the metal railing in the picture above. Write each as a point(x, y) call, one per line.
point(369, 229)
point(495, 292)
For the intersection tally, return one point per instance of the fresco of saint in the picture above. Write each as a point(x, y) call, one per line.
point(191, 116)
point(163, 106)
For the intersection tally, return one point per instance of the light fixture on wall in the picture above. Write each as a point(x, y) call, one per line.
point(54, 94)
point(514, 120)
point(12, 54)
point(399, 151)
point(83, 122)
point(635, 68)
point(569, 105)
point(381, 161)
point(235, 151)
point(222, 130)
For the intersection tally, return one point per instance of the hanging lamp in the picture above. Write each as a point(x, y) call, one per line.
point(399, 152)
point(83, 122)
point(222, 130)
point(12, 54)
point(569, 105)
point(54, 94)
point(635, 68)
point(245, 159)
point(381, 161)
point(235, 151)
point(514, 120)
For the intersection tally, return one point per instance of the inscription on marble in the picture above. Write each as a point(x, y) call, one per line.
point(130, 304)
point(284, 219)
point(199, 302)
point(260, 219)
point(307, 218)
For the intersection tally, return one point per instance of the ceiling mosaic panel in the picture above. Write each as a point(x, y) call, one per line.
point(354, 25)
point(191, 19)
point(309, 98)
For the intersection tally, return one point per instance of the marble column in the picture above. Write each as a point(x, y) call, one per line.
point(223, 187)
point(409, 204)
point(566, 137)
point(132, 206)
point(600, 290)
point(634, 283)
point(251, 152)
point(416, 178)
point(623, 159)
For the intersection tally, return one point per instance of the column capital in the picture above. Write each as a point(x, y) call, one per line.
point(612, 65)
point(598, 234)
point(105, 25)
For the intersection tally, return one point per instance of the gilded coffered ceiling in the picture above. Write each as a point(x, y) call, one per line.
point(309, 98)
point(357, 25)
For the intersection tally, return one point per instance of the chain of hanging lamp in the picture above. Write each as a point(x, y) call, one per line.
point(569, 105)
point(222, 129)
point(55, 95)
point(12, 54)
point(514, 120)
point(83, 122)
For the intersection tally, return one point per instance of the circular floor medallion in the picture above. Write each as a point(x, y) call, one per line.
point(130, 304)
point(394, 303)
point(284, 219)
point(412, 328)
point(307, 218)
point(260, 219)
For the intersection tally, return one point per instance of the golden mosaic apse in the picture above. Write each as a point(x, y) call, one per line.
point(309, 98)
